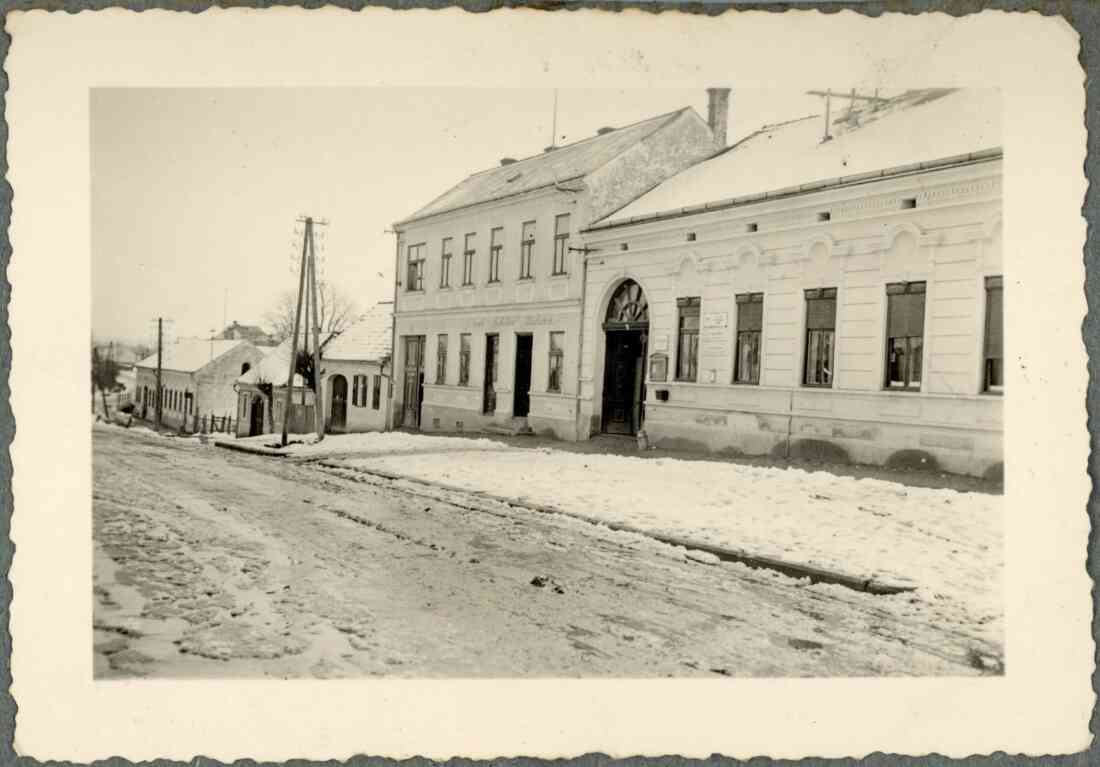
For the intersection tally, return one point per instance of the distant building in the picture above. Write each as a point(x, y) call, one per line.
point(357, 374)
point(261, 397)
point(197, 379)
point(838, 298)
point(490, 287)
point(251, 333)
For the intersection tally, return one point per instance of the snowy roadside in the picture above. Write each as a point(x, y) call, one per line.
point(946, 543)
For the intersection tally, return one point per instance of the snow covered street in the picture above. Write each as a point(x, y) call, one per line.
point(212, 563)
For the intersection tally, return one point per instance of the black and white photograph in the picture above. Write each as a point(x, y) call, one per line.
point(438, 384)
point(690, 383)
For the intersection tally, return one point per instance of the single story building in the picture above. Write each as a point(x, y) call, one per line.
point(197, 380)
point(356, 374)
point(261, 397)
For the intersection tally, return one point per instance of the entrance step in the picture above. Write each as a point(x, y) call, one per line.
point(514, 427)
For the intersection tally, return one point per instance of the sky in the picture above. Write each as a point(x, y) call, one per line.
point(196, 192)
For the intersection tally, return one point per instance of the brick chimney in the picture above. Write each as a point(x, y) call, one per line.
point(718, 109)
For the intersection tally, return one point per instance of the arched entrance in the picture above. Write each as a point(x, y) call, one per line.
point(627, 330)
point(256, 417)
point(338, 416)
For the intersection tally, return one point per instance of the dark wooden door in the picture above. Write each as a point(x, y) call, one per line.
point(522, 397)
point(414, 381)
point(256, 417)
point(492, 349)
point(338, 419)
point(623, 386)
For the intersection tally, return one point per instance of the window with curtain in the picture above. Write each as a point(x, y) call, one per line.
point(687, 346)
point(750, 320)
point(994, 335)
point(464, 359)
point(904, 335)
point(820, 336)
point(441, 359)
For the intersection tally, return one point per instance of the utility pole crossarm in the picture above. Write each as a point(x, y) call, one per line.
point(857, 97)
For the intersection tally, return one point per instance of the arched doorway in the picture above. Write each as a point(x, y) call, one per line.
point(256, 417)
point(627, 333)
point(338, 416)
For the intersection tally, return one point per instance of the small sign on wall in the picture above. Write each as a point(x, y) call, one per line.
point(658, 367)
point(715, 320)
point(660, 342)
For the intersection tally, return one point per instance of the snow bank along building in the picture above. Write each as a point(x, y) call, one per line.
point(261, 397)
point(197, 379)
point(355, 373)
point(804, 293)
point(490, 284)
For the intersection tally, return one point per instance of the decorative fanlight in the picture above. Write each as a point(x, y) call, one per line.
point(628, 304)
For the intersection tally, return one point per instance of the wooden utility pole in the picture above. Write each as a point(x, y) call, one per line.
point(160, 359)
point(318, 400)
point(294, 336)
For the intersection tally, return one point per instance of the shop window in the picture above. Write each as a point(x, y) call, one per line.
point(820, 336)
point(464, 359)
point(441, 359)
point(994, 381)
point(687, 345)
point(750, 321)
point(557, 356)
point(904, 335)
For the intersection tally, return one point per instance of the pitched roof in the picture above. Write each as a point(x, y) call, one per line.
point(368, 339)
point(190, 355)
point(564, 163)
point(274, 368)
point(914, 127)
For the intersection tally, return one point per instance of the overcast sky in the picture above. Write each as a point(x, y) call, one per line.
point(195, 192)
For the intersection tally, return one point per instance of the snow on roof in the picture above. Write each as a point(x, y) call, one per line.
point(917, 126)
point(273, 368)
point(368, 339)
point(190, 355)
point(561, 164)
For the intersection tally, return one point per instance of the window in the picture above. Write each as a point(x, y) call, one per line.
point(526, 249)
point(464, 359)
point(994, 335)
point(750, 319)
point(359, 391)
point(415, 280)
point(468, 260)
point(904, 334)
point(687, 346)
point(557, 354)
point(445, 263)
point(561, 242)
point(820, 336)
point(441, 359)
point(376, 393)
point(495, 246)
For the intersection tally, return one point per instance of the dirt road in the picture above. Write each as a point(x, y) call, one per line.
point(215, 563)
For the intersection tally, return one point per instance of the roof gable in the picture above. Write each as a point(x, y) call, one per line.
point(564, 163)
point(368, 339)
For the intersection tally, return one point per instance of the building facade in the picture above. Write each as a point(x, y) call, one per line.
point(490, 283)
point(197, 380)
point(853, 318)
point(357, 376)
point(262, 397)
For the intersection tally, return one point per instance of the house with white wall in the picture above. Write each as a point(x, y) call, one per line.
point(820, 289)
point(356, 375)
point(490, 284)
point(262, 397)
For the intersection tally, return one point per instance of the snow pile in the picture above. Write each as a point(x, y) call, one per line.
point(948, 544)
point(373, 443)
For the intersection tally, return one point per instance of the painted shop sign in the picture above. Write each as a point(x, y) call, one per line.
point(499, 321)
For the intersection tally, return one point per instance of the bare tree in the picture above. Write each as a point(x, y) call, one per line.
point(335, 311)
point(104, 377)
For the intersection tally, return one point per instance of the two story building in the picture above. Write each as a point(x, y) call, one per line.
point(490, 283)
point(821, 289)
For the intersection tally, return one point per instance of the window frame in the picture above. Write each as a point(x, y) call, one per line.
point(414, 267)
point(993, 283)
point(742, 299)
point(445, 253)
point(818, 294)
point(908, 288)
point(685, 308)
point(469, 253)
point(526, 249)
point(561, 245)
point(555, 362)
point(441, 343)
point(496, 247)
point(464, 358)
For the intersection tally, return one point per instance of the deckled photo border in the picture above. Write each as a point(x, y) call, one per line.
point(1084, 17)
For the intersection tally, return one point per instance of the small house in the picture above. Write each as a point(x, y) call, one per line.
point(261, 397)
point(357, 373)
